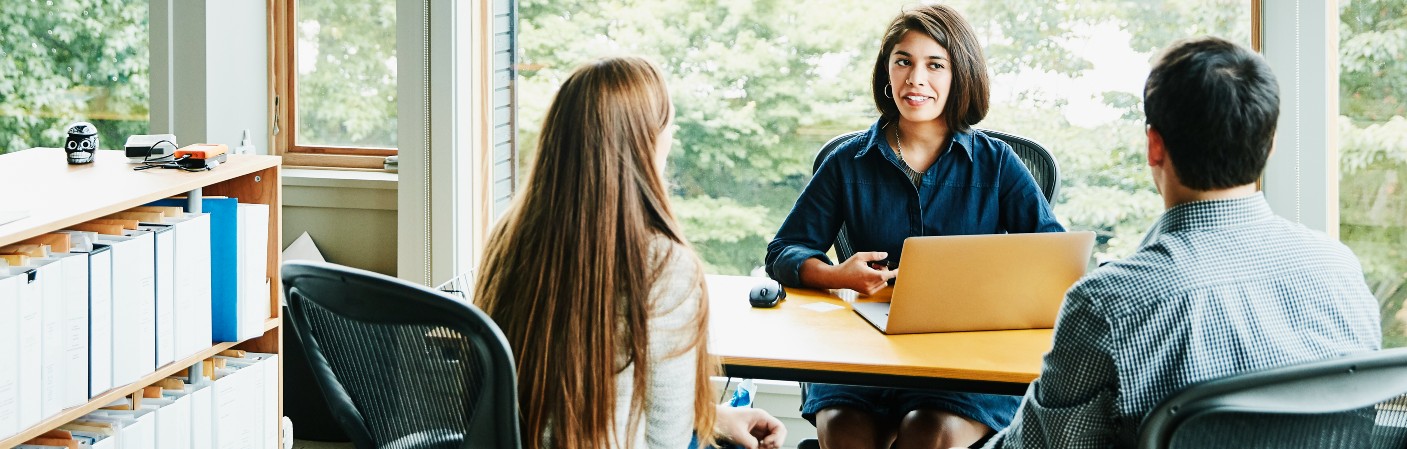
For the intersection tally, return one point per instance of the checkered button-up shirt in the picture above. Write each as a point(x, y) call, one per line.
point(1217, 288)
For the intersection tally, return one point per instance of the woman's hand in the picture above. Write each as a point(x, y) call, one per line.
point(751, 428)
point(855, 273)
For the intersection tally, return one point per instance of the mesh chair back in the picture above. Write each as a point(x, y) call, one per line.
point(1036, 159)
point(401, 365)
point(1351, 402)
point(1034, 156)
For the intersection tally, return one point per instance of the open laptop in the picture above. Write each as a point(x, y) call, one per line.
point(981, 282)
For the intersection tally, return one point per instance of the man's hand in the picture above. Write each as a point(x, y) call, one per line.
point(751, 428)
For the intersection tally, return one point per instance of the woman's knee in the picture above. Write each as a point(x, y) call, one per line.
point(924, 427)
point(845, 427)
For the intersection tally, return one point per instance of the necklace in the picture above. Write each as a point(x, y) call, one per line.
point(899, 146)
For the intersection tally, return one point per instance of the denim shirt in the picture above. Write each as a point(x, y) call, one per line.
point(978, 185)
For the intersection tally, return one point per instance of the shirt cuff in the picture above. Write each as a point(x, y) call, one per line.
point(787, 268)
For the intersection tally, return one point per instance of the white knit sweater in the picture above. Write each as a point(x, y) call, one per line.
point(674, 311)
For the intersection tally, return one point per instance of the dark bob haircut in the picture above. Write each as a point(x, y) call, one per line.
point(1215, 104)
point(969, 95)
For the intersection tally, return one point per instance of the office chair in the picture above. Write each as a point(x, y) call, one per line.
point(1034, 156)
point(1350, 402)
point(401, 365)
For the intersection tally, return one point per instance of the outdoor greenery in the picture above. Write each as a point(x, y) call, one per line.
point(346, 52)
point(72, 60)
point(759, 85)
point(1373, 150)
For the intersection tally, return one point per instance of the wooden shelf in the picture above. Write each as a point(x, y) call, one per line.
point(71, 414)
point(55, 195)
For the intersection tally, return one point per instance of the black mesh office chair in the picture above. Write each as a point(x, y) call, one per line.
point(1350, 402)
point(1034, 156)
point(401, 365)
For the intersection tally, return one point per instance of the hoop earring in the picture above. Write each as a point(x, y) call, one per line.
point(887, 89)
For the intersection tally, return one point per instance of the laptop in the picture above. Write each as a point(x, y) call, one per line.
point(981, 282)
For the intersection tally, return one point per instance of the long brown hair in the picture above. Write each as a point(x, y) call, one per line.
point(567, 272)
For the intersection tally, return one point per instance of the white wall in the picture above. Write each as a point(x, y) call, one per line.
point(210, 71)
point(351, 216)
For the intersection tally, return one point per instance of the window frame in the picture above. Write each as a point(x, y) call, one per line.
point(283, 133)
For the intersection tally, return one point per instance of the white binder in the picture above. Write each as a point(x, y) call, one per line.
point(133, 306)
point(98, 309)
point(192, 318)
point(48, 275)
point(253, 269)
point(9, 351)
point(164, 257)
point(235, 406)
point(138, 426)
point(263, 386)
point(202, 430)
point(73, 382)
point(31, 309)
point(173, 421)
point(99, 320)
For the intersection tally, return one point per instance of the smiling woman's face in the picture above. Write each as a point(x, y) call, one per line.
point(920, 76)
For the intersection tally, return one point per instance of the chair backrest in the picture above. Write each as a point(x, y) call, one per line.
point(401, 365)
point(1034, 156)
point(1350, 402)
point(1036, 159)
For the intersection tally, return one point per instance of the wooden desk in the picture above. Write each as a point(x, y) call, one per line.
point(793, 342)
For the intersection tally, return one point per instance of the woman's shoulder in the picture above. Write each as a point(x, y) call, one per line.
point(848, 145)
point(665, 251)
point(985, 145)
point(678, 275)
point(674, 261)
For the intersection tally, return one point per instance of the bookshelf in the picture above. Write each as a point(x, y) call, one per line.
point(54, 195)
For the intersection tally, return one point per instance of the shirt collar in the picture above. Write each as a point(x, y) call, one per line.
point(1211, 214)
point(961, 139)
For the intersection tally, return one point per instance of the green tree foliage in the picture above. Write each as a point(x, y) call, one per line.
point(1373, 150)
point(72, 60)
point(760, 85)
point(346, 73)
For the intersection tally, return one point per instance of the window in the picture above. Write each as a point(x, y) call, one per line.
point(1373, 151)
point(760, 86)
point(337, 83)
point(68, 61)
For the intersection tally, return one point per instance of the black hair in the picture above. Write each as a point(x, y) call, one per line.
point(1215, 104)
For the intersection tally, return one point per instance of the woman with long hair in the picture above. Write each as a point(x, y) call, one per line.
point(600, 297)
point(921, 169)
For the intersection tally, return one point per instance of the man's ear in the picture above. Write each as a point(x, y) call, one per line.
point(1157, 153)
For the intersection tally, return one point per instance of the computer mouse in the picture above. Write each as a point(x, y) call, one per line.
point(766, 294)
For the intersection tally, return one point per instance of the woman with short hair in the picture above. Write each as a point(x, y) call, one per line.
point(920, 170)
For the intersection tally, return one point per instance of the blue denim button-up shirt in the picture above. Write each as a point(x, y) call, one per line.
point(977, 186)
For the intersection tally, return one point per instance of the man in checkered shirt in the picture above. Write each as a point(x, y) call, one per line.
point(1219, 286)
